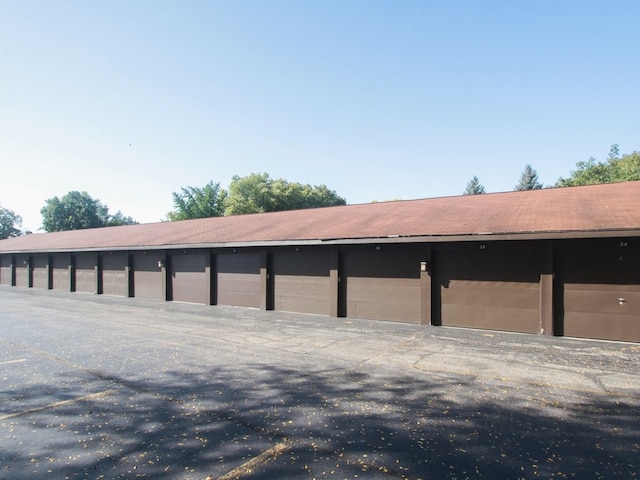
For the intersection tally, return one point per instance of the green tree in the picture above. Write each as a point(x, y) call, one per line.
point(77, 211)
point(195, 202)
point(528, 180)
point(258, 192)
point(118, 219)
point(474, 187)
point(616, 168)
point(10, 223)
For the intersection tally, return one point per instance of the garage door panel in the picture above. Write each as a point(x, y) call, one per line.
point(302, 294)
point(496, 289)
point(5, 270)
point(60, 276)
point(238, 279)
point(114, 276)
point(85, 267)
point(592, 277)
point(301, 281)
point(362, 289)
point(481, 294)
point(40, 271)
point(376, 310)
point(602, 302)
point(189, 280)
point(502, 318)
point(148, 281)
point(594, 325)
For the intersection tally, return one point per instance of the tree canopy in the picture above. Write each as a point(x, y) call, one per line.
point(198, 202)
point(255, 193)
point(474, 187)
point(10, 223)
point(528, 180)
point(77, 211)
point(616, 168)
point(258, 192)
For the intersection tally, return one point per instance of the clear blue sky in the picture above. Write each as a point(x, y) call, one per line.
point(379, 100)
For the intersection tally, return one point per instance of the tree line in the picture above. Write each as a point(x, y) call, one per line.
point(259, 193)
point(616, 168)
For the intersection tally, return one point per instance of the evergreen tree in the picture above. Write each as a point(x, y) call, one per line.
point(474, 187)
point(528, 180)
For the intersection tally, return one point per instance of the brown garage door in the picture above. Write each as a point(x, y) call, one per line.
point(148, 275)
point(60, 277)
point(492, 287)
point(238, 279)
point(5, 270)
point(301, 280)
point(114, 275)
point(598, 285)
point(22, 271)
point(381, 284)
point(189, 278)
point(86, 279)
point(41, 271)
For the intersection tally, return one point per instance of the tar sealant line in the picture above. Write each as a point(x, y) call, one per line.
point(56, 405)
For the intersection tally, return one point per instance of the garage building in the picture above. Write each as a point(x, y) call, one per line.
point(560, 261)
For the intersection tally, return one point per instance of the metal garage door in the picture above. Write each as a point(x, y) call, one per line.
point(238, 279)
point(114, 274)
point(86, 272)
point(22, 271)
point(148, 275)
point(381, 283)
point(5, 270)
point(60, 277)
point(488, 286)
point(301, 280)
point(598, 289)
point(189, 278)
point(41, 271)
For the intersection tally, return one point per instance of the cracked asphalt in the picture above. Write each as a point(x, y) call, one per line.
point(105, 387)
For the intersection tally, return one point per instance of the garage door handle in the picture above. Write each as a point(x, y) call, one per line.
point(621, 300)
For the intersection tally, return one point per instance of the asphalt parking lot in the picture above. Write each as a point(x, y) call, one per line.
point(104, 387)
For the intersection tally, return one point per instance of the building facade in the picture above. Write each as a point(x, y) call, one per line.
point(553, 262)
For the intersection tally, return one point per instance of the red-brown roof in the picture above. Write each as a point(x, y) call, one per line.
point(574, 210)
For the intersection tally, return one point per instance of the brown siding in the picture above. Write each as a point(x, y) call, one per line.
point(189, 278)
point(114, 278)
point(382, 284)
point(41, 271)
point(148, 275)
point(5, 270)
point(301, 280)
point(489, 286)
point(599, 286)
point(238, 279)
point(60, 277)
point(86, 272)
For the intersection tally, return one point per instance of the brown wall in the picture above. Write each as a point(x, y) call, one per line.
point(114, 275)
point(598, 289)
point(238, 279)
point(189, 280)
point(488, 286)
